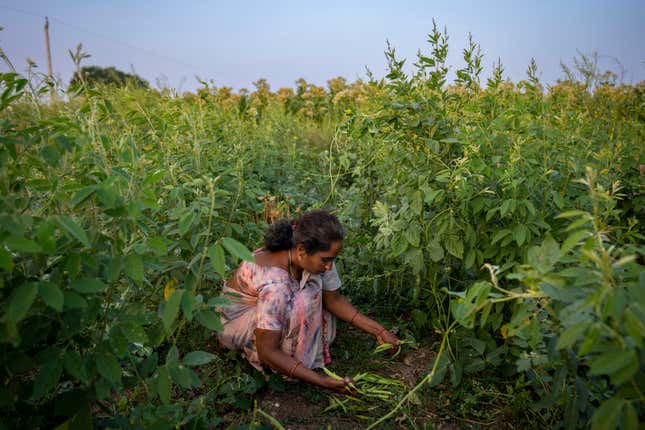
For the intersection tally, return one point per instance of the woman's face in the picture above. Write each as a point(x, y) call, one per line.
point(319, 261)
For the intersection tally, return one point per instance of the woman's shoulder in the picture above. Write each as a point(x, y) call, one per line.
point(261, 276)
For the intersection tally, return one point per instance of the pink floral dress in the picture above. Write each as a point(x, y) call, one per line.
point(268, 298)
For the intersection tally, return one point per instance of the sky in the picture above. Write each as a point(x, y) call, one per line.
point(171, 43)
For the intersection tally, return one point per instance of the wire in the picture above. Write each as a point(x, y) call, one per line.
point(102, 36)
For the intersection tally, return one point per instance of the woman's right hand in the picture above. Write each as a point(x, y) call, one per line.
point(339, 385)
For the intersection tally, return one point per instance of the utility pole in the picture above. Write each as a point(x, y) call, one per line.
point(49, 61)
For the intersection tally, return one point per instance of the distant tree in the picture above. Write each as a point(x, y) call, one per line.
point(93, 75)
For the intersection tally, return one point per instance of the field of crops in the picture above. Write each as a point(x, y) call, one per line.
point(498, 226)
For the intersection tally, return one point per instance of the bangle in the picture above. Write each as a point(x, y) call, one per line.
point(293, 369)
point(379, 333)
point(351, 321)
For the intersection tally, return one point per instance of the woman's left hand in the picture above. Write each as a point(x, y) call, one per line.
point(386, 337)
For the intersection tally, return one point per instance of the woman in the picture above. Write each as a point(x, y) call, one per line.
point(284, 305)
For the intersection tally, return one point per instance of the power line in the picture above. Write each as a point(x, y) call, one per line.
point(102, 36)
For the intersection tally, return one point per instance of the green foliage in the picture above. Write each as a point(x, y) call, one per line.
point(512, 212)
point(93, 75)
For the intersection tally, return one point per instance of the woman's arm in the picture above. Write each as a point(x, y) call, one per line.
point(338, 305)
point(267, 343)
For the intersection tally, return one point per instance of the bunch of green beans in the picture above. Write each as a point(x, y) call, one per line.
point(368, 388)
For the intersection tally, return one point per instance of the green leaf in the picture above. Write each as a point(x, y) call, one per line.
point(82, 195)
point(88, 286)
point(163, 384)
point(48, 376)
point(210, 320)
point(21, 244)
point(158, 245)
point(133, 267)
point(544, 257)
point(51, 295)
point(621, 365)
point(216, 254)
point(519, 234)
point(606, 416)
point(236, 249)
point(629, 418)
point(435, 251)
point(198, 358)
point(134, 332)
point(454, 246)
point(186, 221)
point(74, 365)
point(414, 258)
point(114, 268)
point(108, 366)
point(171, 309)
point(6, 262)
point(188, 302)
point(573, 240)
point(500, 235)
point(73, 300)
point(74, 229)
point(571, 214)
point(571, 335)
point(182, 375)
point(21, 300)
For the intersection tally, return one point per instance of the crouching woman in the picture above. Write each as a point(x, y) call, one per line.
point(285, 304)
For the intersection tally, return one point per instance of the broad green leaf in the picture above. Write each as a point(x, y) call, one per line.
point(216, 254)
point(21, 300)
point(606, 416)
point(454, 246)
point(181, 375)
point(519, 234)
point(186, 221)
point(6, 262)
point(501, 234)
point(236, 249)
point(413, 235)
point(188, 302)
point(629, 418)
point(163, 384)
point(210, 320)
point(51, 295)
point(88, 286)
point(616, 364)
point(635, 327)
point(21, 244)
point(158, 245)
point(134, 332)
point(171, 309)
point(74, 229)
point(108, 366)
point(73, 300)
point(435, 251)
point(82, 195)
point(74, 365)
point(198, 358)
point(48, 376)
point(114, 268)
point(414, 258)
point(118, 341)
point(571, 335)
point(133, 267)
point(573, 240)
point(544, 257)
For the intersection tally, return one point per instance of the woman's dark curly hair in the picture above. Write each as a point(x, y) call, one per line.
point(316, 230)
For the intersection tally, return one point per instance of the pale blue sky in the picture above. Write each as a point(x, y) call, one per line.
point(235, 43)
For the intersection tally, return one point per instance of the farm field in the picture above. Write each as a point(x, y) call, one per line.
point(496, 226)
